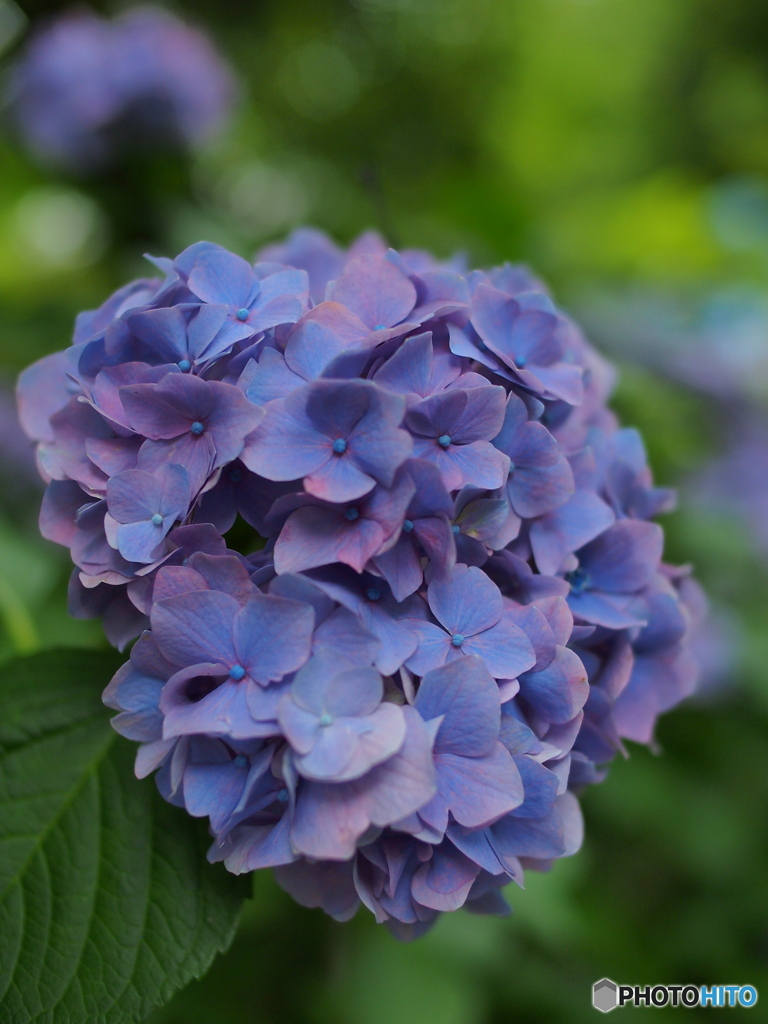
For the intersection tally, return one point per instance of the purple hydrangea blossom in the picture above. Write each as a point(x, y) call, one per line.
point(87, 90)
point(454, 609)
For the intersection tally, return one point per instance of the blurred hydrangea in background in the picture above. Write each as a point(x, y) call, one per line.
point(88, 90)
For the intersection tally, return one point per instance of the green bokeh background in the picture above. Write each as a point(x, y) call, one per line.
point(594, 140)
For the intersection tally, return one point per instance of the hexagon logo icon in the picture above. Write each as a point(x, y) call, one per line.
point(605, 995)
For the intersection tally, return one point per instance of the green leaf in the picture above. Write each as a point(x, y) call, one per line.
point(107, 903)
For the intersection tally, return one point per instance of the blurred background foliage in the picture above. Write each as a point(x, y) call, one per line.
point(620, 147)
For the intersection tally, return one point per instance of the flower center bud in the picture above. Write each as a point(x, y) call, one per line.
point(380, 327)
point(373, 593)
point(236, 672)
point(407, 525)
point(241, 760)
point(444, 440)
point(197, 428)
point(242, 314)
point(457, 639)
point(579, 581)
point(520, 362)
point(282, 796)
point(339, 445)
point(352, 514)
point(456, 529)
point(325, 719)
point(185, 366)
point(157, 519)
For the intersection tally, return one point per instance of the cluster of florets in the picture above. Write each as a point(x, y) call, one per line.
point(450, 607)
point(87, 90)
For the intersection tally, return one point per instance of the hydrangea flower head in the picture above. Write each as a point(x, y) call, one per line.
point(454, 607)
point(87, 90)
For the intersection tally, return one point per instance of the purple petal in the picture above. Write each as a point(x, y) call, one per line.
point(504, 648)
point(559, 691)
point(329, 819)
point(466, 697)
point(220, 276)
point(444, 882)
point(272, 636)
point(625, 557)
point(479, 790)
point(567, 529)
point(467, 602)
point(375, 290)
point(196, 627)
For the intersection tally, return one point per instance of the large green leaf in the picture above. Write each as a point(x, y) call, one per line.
point(107, 903)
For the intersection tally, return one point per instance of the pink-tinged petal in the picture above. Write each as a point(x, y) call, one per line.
point(479, 790)
point(314, 536)
point(467, 602)
point(560, 690)
point(504, 648)
point(338, 480)
point(478, 464)
point(465, 697)
point(196, 627)
point(113, 455)
point(375, 290)
point(173, 580)
point(322, 334)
